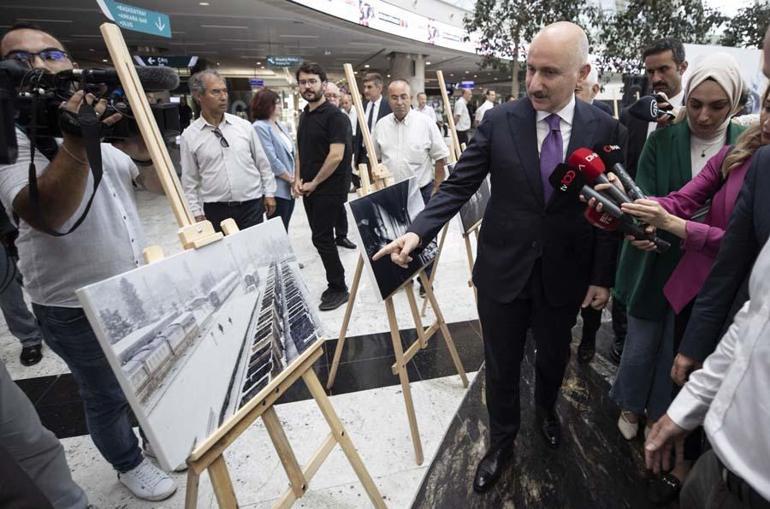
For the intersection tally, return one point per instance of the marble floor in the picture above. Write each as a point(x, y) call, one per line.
point(369, 401)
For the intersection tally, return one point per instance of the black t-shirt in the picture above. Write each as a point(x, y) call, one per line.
point(318, 129)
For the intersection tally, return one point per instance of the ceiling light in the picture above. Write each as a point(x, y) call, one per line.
point(217, 63)
point(467, 72)
point(388, 76)
point(105, 60)
point(46, 20)
point(475, 75)
point(91, 49)
point(298, 36)
point(204, 4)
point(259, 63)
point(451, 74)
point(366, 66)
point(427, 63)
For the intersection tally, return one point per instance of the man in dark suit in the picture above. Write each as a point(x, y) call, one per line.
point(589, 88)
point(538, 259)
point(375, 107)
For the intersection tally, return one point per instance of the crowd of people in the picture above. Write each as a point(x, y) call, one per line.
point(690, 324)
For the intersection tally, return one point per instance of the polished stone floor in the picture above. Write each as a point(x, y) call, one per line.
point(595, 467)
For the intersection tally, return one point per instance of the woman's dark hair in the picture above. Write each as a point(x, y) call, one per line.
point(311, 68)
point(263, 104)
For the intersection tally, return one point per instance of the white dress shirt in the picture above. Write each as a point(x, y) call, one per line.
point(676, 102)
point(461, 110)
point(729, 395)
point(108, 242)
point(565, 124)
point(410, 147)
point(353, 116)
point(213, 173)
point(369, 105)
point(488, 105)
point(429, 112)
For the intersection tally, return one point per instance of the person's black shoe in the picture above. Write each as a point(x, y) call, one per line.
point(31, 355)
point(490, 467)
point(345, 242)
point(663, 490)
point(586, 350)
point(550, 427)
point(615, 354)
point(333, 300)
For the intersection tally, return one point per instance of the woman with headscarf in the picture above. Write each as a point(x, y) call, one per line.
point(670, 159)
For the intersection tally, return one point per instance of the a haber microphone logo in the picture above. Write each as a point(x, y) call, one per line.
point(567, 180)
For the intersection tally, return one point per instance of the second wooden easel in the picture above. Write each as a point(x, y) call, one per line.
point(402, 357)
point(209, 455)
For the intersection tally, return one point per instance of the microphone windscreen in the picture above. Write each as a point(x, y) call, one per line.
point(14, 70)
point(601, 219)
point(610, 154)
point(645, 109)
point(155, 79)
point(566, 180)
point(587, 162)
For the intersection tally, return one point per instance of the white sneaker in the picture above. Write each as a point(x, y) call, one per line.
point(627, 428)
point(148, 482)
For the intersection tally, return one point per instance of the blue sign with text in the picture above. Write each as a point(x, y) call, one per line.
point(137, 19)
point(284, 61)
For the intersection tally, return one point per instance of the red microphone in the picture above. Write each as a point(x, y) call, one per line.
point(601, 220)
point(592, 167)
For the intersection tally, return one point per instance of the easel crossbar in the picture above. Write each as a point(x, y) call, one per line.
point(416, 347)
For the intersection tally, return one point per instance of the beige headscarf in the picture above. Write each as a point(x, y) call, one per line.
point(723, 69)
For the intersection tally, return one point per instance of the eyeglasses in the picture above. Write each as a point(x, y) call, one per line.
point(27, 58)
point(308, 83)
point(222, 140)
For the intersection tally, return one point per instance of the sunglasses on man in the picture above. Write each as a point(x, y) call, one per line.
point(27, 58)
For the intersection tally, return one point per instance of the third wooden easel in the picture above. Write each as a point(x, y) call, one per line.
point(402, 357)
point(209, 455)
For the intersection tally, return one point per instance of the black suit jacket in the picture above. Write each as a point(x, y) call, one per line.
point(384, 110)
point(603, 106)
point(518, 226)
point(727, 287)
point(637, 137)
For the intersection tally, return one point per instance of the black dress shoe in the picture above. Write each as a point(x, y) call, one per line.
point(490, 467)
point(586, 351)
point(345, 242)
point(550, 428)
point(31, 355)
point(333, 300)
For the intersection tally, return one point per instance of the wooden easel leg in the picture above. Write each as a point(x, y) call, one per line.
point(297, 480)
point(191, 495)
point(416, 315)
point(404, 378)
point(345, 322)
point(444, 330)
point(435, 264)
point(317, 391)
point(223, 487)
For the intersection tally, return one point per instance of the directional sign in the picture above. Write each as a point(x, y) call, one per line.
point(256, 83)
point(137, 19)
point(284, 61)
point(166, 61)
point(466, 84)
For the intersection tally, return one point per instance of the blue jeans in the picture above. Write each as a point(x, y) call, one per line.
point(644, 380)
point(67, 332)
point(283, 209)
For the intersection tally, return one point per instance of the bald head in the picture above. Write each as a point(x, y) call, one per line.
point(552, 72)
point(399, 98)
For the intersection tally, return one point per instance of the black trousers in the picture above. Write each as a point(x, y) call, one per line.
point(341, 226)
point(462, 137)
point(245, 213)
point(592, 320)
point(505, 328)
point(322, 214)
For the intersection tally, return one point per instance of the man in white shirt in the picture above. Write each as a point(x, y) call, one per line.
point(424, 108)
point(108, 242)
point(489, 103)
point(589, 88)
point(409, 144)
point(225, 172)
point(728, 396)
point(462, 117)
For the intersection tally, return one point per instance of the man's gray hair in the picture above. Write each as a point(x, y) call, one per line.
point(196, 83)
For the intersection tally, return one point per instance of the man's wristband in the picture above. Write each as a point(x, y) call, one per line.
point(142, 163)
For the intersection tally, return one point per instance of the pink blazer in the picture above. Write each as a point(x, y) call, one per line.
point(703, 239)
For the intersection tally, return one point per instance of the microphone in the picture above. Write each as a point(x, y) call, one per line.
point(566, 180)
point(647, 109)
point(591, 166)
point(623, 222)
point(153, 79)
point(613, 159)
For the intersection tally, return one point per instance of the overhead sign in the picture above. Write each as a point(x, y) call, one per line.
point(137, 19)
point(466, 84)
point(284, 61)
point(256, 83)
point(156, 61)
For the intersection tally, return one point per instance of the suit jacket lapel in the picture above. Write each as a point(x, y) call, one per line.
point(522, 121)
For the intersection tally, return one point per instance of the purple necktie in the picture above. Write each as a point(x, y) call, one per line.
point(551, 153)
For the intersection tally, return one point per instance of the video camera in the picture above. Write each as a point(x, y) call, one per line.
point(31, 99)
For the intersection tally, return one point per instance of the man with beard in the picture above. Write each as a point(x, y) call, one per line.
point(324, 140)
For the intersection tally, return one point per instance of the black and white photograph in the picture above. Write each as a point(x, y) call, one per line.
point(194, 337)
point(472, 211)
point(381, 217)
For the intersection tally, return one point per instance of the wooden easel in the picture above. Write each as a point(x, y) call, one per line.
point(208, 456)
point(423, 335)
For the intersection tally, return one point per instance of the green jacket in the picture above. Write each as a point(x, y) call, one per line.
point(664, 166)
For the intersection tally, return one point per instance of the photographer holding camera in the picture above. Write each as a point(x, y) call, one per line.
point(109, 241)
